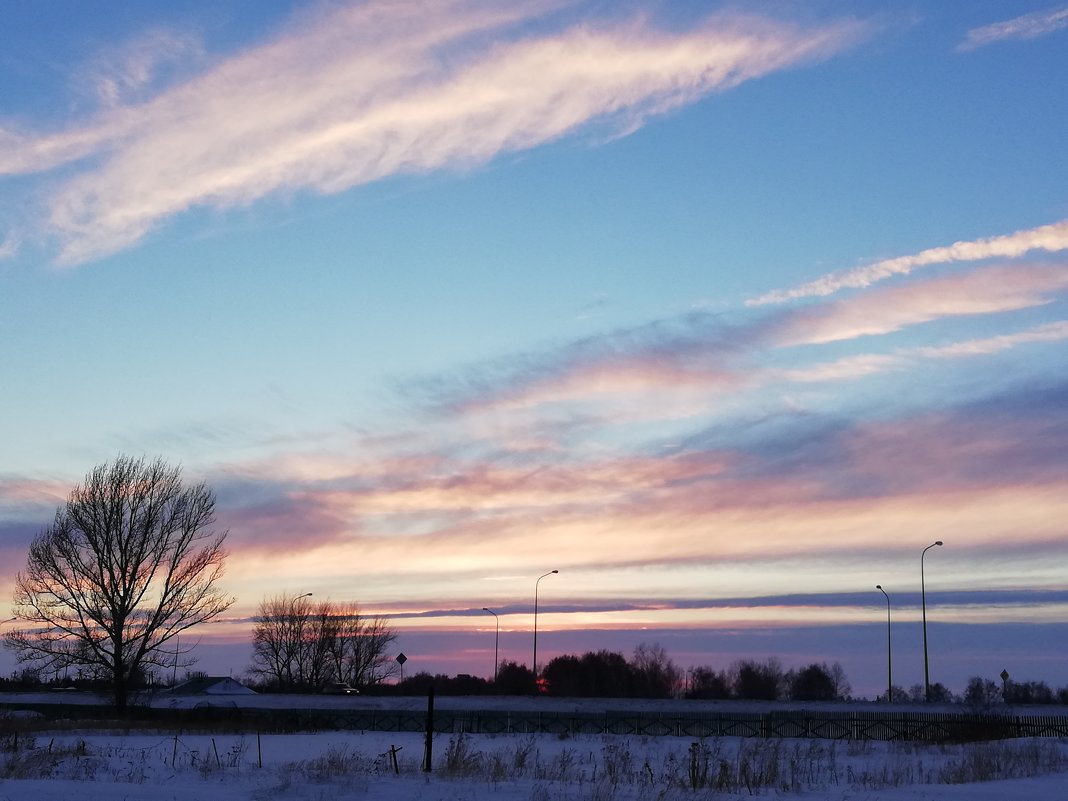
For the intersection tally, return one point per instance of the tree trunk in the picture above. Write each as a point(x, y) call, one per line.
point(122, 690)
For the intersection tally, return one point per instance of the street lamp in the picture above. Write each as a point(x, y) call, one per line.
point(496, 640)
point(923, 604)
point(534, 661)
point(889, 658)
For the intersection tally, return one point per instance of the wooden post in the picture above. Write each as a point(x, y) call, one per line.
point(429, 750)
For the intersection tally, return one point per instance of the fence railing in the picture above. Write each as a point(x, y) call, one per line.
point(845, 725)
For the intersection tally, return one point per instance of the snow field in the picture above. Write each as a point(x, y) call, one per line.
point(337, 766)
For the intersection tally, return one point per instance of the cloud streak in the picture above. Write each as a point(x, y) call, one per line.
point(990, 290)
point(1049, 238)
point(9, 246)
point(373, 90)
point(688, 365)
point(1028, 26)
point(979, 473)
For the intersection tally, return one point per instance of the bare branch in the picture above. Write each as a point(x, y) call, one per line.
point(128, 563)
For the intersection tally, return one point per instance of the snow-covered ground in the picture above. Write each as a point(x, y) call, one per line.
point(352, 765)
point(98, 766)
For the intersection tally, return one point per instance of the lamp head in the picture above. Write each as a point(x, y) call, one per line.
point(878, 586)
point(554, 571)
point(939, 542)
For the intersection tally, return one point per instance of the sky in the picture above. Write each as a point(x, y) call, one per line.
point(724, 311)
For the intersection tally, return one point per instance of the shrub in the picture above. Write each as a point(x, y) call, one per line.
point(812, 683)
point(981, 693)
point(514, 679)
point(1028, 692)
point(758, 681)
point(706, 683)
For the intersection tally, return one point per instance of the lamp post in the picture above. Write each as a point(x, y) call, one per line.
point(534, 661)
point(496, 640)
point(923, 605)
point(295, 619)
point(889, 658)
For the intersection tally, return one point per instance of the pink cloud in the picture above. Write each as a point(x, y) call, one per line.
point(988, 290)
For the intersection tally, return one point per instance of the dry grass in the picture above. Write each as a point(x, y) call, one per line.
point(596, 768)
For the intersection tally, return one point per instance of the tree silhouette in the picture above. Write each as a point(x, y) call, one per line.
point(128, 563)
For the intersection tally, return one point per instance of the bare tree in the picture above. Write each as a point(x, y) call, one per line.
point(128, 563)
point(658, 674)
point(358, 647)
point(298, 645)
point(279, 653)
point(842, 687)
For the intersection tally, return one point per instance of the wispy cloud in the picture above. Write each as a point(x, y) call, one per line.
point(693, 351)
point(813, 485)
point(9, 246)
point(1028, 26)
point(132, 73)
point(1049, 238)
point(1053, 332)
point(984, 291)
point(867, 364)
point(846, 368)
point(20, 492)
point(373, 90)
point(688, 365)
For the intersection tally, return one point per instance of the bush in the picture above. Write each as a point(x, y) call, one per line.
point(1028, 692)
point(981, 693)
point(514, 679)
point(461, 684)
point(758, 681)
point(812, 683)
point(940, 694)
point(706, 683)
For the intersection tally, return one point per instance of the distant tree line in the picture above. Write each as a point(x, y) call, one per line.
point(985, 693)
point(649, 673)
point(303, 646)
point(767, 681)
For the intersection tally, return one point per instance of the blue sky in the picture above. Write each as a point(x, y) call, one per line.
point(701, 304)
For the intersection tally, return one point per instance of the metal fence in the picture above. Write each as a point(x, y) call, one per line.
point(845, 725)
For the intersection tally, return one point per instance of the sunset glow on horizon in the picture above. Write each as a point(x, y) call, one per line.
point(726, 316)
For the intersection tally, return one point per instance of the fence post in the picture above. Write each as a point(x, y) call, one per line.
point(429, 750)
